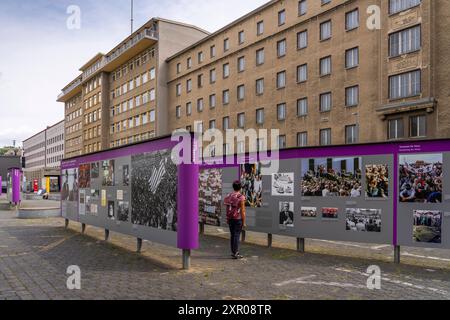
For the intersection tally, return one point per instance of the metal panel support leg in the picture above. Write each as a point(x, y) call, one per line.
point(139, 245)
point(186, 259)
point(244, 234)
point(397, 254)
point(269, 240)
point(301, 245)
point(83, 228)
point(202, 228)
point(106, 234)
point(66, 223)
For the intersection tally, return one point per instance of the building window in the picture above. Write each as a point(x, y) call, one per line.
point(281, 79)
point(260, 86)
point(226, 97)
point(226, 123)
point(302, 7)
point(260, 57)
point(188, 108)
point(241, 120)
point(352, 96)
point(405, 85)
point(212, 101)
point(281, 112)
point(282, 142)
point(226, 44)
point(178, 68)
point(405, 41)
point(352, 58)
point(302, 39)
point(189, 63)
point(325, 30)
point(241, 37)
point(241, 64)
point(212, 76)
point(325, 102)
point(212, 124)
point(302, 139)
point(351, 134)
point(200, 57)
point(281, 17)
point(226, 70)
point(325, 66)
point(212, 51)
point(240, 92)
point(352, 20)
point(260, 116)
point(396, 129)
point(281, 48)
point(396, 6)
point(302, 107)
point(302, 73)
point(200, 80)
point(418, 126)
point(189, 85)
point(325, 137)
point(323, 2)
point(200, 105)
point(260, 28)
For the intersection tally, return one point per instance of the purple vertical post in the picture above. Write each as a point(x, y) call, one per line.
point(188, 238)
point(15, 178)
point(1, 186)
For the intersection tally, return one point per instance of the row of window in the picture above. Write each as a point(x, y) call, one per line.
point(93, 133)
point(133, 83)
point(55, 149)
point(92, 117)
point(74, 115)
point(93, 84)
point(73, 128)
point(93, 101)
point(93, 147)
point(57, 138)
point(73, 142)
point(134, 102)
point(54, 159)
point(133, 122)
point(132, 139)
point(137, 62)
point(72, 102)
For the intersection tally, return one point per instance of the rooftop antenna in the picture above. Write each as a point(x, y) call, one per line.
point(132, 15)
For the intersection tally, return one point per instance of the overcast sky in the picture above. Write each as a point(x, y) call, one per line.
point(39, 55)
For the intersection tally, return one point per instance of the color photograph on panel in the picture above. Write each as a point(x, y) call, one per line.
point(309, 212)
point(251, 180)
point(377, 181)
point(332, 177)
point(330, 213)
point(210, 196)
point(363, 220)
point(427, 226)
point(154, 190)
point(84, 179)
point(421, 178)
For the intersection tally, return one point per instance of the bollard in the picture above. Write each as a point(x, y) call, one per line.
point(186, 259)
point(106, 234)
point(83, 228)
point(397, 254)
point(301, 245)
point(269, 240)
point(139, 245)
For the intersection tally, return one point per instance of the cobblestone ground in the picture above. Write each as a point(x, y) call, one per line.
point(35, 254)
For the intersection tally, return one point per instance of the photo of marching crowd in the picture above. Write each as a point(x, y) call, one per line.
point(69, 189)
point(330, 213)
point(84, 176)
point(309, 212)
point(154, 187)
point(421, 178)
point(251, 180)
point(427, 226)
point(377, 181)
point(210, 196)
point(363, 220)
point(331, 177)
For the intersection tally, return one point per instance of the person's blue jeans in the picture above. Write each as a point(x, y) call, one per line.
point(235, 230)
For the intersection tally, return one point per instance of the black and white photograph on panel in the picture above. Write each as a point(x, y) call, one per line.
point(111, 210)
point(95, 194)
point(95, 170)
point(330, 213)
point(210, 196)
point(363, 220)
point(309, 212)
point(82, 206)
point(123, 211)
point(421, 178)
point(84, 176)
point(154, 179)
point(251, 180)
point(377, 181)
point(69, 190)
point(283, 184)
point(126, 175)
point(286, 214)
point(108, 173)
point(331, 177)
point(427, 226)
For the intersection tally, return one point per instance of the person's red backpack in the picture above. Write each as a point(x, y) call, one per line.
point(233, 203)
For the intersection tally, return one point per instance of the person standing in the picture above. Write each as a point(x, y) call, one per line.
point(236, 217)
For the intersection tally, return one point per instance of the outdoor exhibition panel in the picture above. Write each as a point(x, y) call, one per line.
point(135, 190)
point(342, 193)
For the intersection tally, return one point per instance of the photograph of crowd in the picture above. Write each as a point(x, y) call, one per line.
point(363, 220)
point(154, 179)
point(283, 184)
point(427, 226)
point(421, 178)
point(91, 208)
point(95, 170)
point(84, 176)
point(377, 181)
point(339, 177)
point(287, 214)
point(126, 175)
point(108, 173)
point(69, 189)
point(330, 213)
point(123, 211)
point(111, 212)
point(251, 180)
point(210, 196)
point(309, 212)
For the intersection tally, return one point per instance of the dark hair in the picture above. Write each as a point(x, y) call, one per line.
point(237, 186)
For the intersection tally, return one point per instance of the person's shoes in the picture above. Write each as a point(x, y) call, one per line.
point(237, 257)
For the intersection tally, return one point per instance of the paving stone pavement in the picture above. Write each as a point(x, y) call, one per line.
point(35, 254)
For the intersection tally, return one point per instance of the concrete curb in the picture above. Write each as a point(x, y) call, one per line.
point(38, 213)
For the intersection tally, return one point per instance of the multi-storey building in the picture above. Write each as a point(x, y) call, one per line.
point(121, 97)
point(322, 72)
point(43, 153)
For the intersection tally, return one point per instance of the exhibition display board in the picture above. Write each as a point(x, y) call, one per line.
point(135, 190)
point(391, 193)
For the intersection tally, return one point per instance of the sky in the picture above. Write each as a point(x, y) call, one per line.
point(39, 54)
